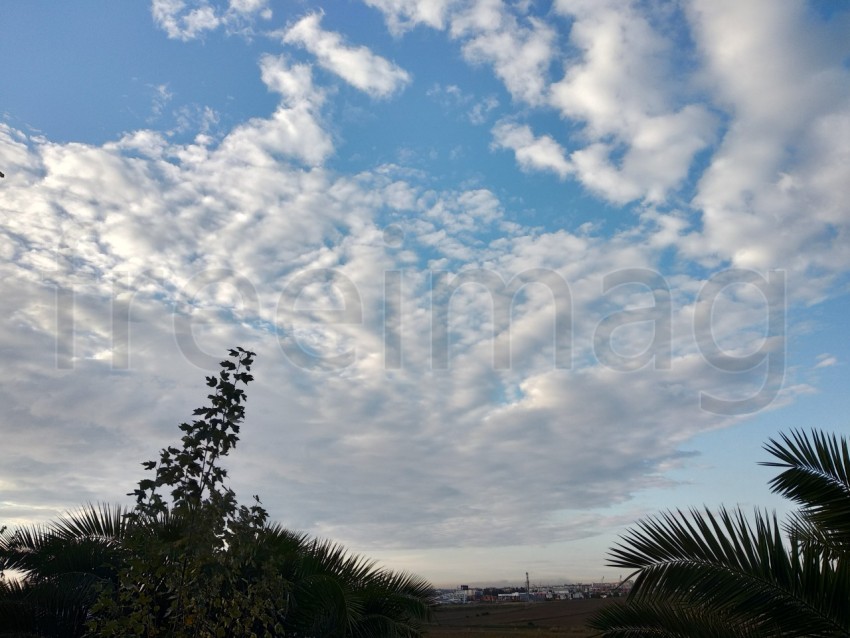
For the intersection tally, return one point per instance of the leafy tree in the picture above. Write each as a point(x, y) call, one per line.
point(726, 574)
point(187, 560)
point(192, 567)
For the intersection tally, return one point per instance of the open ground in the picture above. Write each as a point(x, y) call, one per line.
point(556, 619)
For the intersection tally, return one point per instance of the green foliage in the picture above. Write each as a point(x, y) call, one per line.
point(61, 567)
point(727, 574)
point(193, 473)
point(189, 561)
point(338, 594)
point(193, 567)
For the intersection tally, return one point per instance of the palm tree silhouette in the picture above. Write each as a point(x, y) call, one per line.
point(728, 574)
point(64, 565)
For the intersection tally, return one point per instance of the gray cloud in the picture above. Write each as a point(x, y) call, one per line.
point(130, 267)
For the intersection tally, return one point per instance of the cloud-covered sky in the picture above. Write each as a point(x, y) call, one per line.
point(517, 273)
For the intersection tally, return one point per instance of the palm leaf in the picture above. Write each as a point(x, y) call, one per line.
point(63, 566)
point(739, 570)
point(103, 521)
point(637, 620)
point(85, 541)
point(336, 593)
point(16, 611)
point(816, 476)
point(394, 604)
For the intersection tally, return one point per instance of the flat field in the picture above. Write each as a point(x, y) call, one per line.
point(554, 619)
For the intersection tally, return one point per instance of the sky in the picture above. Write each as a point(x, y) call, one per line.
point(517, 273)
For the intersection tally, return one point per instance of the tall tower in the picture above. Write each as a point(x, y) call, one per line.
point(527, 589)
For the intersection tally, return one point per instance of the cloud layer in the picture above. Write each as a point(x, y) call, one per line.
point(426, 353)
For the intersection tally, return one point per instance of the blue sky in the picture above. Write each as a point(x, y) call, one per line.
point(517, 273)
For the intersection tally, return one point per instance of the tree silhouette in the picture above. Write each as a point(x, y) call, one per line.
point(188, 560)
point(726, 574)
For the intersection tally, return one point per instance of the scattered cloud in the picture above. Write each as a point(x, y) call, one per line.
point(448, 96)
point(520, 50)
point(356, 65)
point(518, 47)
point(190, 19)
point(480, 111)
point(294, 130)
point(623, 87)
point(424, 334)
point(788, 99)
point(178, 254)
point(451, 97)
point(403, 15)
point(642, 127)
point(532, 153)
point(161, 97)
point(826, 361)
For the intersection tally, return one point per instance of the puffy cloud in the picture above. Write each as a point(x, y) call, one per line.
point(187, 21)
point(418, 350)
point(181, 23)
point(356, 65)
point(623, 89)
point(162, 261)
point(518, 48)
point(519, 51)
point(641, 126)
point(777, 185)
point(294, 129)
point(402, 15)
point(540, 153)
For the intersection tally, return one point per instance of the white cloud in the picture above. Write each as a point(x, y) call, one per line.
point(181, 22)
point(519, 48)
point(642, 127)
point(519, 53)
point(194, 249)
point(294, 129)
point(161, 97)
point(356, 65)
point(451, 97)
point(826, 360)
point(481, 110)
point(189, 19)
point(248, 7)
point(127, 268)
point(402, 15)
point(775, 191)
point(624, 90)
point(540, 153)
point(293, 82)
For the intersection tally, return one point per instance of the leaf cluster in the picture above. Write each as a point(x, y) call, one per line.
point(194, 565)
point(701, 573)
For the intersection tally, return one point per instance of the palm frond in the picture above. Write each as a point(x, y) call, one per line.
point(16, 611)
point(102, 521)
point(337, 593)
point(63, 566)
point(655, 620)
point(745, 569)
point(802, 530)
point(817, 477)
point(394, 604)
